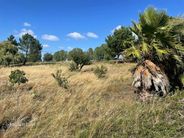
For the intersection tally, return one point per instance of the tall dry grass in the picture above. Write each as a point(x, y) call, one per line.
point(91, 107)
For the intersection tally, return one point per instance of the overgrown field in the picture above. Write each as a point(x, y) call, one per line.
point(91, 107)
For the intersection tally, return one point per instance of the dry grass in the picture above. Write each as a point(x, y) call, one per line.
point(91, 107)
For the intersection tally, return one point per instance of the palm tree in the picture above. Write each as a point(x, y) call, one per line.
point(157, 41)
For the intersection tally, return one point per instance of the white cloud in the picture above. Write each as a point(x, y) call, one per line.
point(45, 46)
point(116, 28)
point(26, 24)
point(92, 35)
point(50, 37)
point(76, 36)
point(25, 31)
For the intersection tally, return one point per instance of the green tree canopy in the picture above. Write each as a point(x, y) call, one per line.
point(102, 53)
point(60, 55)
point(48, 57)
point(120, 40)
point(12, 39)
point(31, 48)
point(90, 52)
point(8, 53)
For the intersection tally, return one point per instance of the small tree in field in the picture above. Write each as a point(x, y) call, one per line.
point(79, 57)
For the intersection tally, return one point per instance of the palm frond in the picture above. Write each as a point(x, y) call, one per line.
point(160, 52)
point(136, 28)
point(132, 51)
point(145, 47)
point(177, 58)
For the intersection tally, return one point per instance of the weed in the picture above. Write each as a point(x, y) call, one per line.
point(101, 71)
point(61, 80)
point(73, 66)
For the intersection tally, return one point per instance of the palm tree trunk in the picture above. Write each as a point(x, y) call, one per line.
point(149, 80)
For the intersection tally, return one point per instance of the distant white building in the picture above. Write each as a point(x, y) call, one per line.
point(120, 57)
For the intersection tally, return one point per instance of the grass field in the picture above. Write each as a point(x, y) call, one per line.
point(90, 108)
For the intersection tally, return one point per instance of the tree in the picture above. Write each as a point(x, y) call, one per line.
point(149, 79)
point(8, 53)
point(90, 52)
point(120, 40)
point(157, 41)
point(60, 55)
point(35, 51)
point(31, 48)
point(99, 53)
point(48, 57)
point(12, 39)
point(21, 58)
point(102, 53)
point(79, 57)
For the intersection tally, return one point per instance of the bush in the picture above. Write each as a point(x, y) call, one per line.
point(17, 77)
point(101, 71)
point(61, 80)
point(73, 66)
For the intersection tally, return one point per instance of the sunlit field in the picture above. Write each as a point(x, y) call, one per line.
point(90, 107)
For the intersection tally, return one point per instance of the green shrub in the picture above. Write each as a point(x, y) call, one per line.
point(73, 66)
point(101, 71)
point(61, 79)
point(17, 77)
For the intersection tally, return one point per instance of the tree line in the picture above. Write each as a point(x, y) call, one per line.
point(114, 45)
point(98, 54)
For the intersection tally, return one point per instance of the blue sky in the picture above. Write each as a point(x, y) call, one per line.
point(66, 24)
